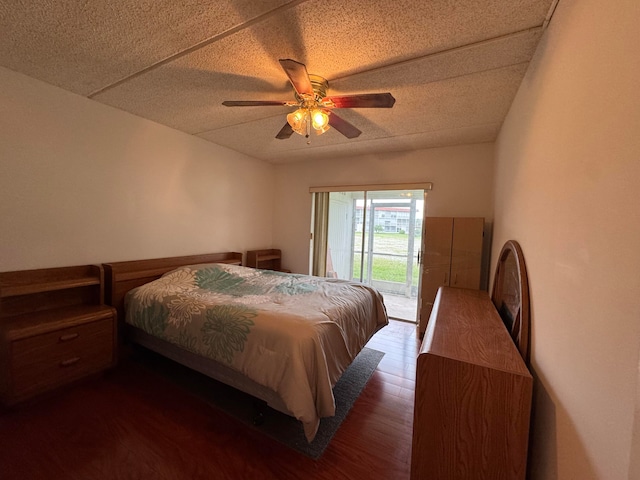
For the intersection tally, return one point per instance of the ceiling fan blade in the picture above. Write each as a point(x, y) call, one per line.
point(298, 76)
point(365, 100)
point(252, 103)
point(285, 132)
point(344, 127)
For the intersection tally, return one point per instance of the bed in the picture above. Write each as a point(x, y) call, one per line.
point(283, 338)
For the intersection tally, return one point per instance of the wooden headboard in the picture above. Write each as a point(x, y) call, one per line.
point(120, 277)
point(510, 295)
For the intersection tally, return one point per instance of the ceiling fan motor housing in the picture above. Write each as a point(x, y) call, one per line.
point(320, 87)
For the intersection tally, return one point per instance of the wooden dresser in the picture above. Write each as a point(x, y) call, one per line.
point(54, 329)
point(473, 394)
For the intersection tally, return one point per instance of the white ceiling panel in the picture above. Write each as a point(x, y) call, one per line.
point(84, 46)
point(452, 66)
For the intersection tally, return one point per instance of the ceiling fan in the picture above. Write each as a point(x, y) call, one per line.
point(315, 108)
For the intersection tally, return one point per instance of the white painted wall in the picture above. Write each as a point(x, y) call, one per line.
point(567, 188)
point(84, 183)
point(462, 186)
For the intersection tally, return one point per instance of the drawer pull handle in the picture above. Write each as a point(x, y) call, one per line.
point(69, 336)
point(69, 362)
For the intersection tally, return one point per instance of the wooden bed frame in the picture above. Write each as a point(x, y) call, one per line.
point(120, 277)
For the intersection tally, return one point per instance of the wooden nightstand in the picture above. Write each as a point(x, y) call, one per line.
point(54, 329)
point(267, 259)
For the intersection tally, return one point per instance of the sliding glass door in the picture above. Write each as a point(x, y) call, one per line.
point(374, 236)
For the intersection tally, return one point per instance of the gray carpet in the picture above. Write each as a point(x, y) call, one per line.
point(278, 426)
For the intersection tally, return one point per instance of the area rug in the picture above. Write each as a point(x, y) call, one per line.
point(281, 427)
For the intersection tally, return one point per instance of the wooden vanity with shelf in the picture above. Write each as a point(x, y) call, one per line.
point(54, 329)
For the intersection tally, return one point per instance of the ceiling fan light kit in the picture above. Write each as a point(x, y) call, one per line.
point(314, 112)
point(304, 120)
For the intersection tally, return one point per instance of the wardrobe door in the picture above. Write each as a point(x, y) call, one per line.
point(452, 257)
point(466, 252)
point(436, 263)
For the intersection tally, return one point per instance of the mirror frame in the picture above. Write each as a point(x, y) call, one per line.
point(514, 314)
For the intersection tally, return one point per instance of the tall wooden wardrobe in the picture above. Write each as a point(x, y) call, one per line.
point(452, 257)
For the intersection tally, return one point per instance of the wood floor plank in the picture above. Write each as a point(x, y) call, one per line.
point(132, 423)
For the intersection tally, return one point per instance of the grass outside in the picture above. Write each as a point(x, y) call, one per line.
point(386, 267)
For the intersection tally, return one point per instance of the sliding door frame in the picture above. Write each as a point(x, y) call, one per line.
point(426, 186)
point(319, 236)
point(320, 208)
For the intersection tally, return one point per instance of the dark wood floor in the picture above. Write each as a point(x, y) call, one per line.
point(130, 423)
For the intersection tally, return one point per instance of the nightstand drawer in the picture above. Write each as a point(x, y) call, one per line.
point(51, 359)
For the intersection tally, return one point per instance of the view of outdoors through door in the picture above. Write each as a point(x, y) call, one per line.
point(374, 237)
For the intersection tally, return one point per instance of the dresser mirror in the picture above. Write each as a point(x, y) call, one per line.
point(510, 295)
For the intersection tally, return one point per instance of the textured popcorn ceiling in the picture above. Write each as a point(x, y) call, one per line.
point(453, 66)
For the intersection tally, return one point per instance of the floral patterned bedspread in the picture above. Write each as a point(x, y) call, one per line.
point(294, 334)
